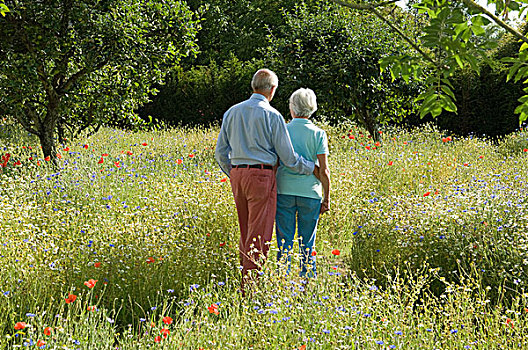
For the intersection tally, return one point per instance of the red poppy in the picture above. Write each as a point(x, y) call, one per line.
point(368, 147)
point(167, 320)
point(129, 153)
point(525, 150)
point(85, 146)
point(314, 253)
point(213, 309)
point(377, 144)
point(191, 155)
point(150, 260)
point(426, 194)
point(97, 264)
point(20, 325)
point(101, 161)
point(404, 142)
point(59, 156)
point(303, 347)
point(224, 179)
point(38, 163)
point(104, 155)
point(90, 283)
point(41, 343)
point(222, 244)
point(466, 164)
point(47, 331)
point(390, 163)
point(117, 165)
point(71, 298)
point(509, 322)
point(91, 308)
point(179, 161)
point(351, 137)
point(18, 162)
point(165, 332)
point(157, 339)
point(144, 144)
point(66, 149)
point(30, 158)
point(336, 252)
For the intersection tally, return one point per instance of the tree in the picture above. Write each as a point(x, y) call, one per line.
point(450, 39)
point(238, 28)
point(80, 63)
point(337, 55)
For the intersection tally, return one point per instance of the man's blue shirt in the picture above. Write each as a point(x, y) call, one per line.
point(253, 132)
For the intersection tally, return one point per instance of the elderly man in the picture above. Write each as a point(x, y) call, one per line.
point(252, 138)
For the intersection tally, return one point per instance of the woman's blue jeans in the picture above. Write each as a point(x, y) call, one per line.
point(302, 212)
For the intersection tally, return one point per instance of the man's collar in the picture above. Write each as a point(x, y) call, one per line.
point(301, 121)
point(259, 97)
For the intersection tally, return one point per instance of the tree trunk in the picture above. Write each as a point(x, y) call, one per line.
point(47, 142)
point(370, 123)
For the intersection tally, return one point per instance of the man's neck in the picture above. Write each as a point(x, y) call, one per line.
point(267, 95)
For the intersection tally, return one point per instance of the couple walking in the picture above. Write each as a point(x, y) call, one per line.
point(253, 139)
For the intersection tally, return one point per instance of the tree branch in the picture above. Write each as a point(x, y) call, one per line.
point(364, 6)
point(482, 9)
point(73, 79)
point(405, 37)
point(25, 124)
point(373, 8)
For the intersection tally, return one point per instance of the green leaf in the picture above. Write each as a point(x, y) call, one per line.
point(458, 61)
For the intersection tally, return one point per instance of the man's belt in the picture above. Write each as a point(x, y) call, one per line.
point(253, 166)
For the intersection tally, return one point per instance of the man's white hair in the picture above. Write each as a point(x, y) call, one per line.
point(303, 102)
point(264, 80)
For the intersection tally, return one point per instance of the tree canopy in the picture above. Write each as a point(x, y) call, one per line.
point(453, 37)
point(77, 63)
point(337, 54)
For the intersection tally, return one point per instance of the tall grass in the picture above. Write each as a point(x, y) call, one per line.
point(431, 232)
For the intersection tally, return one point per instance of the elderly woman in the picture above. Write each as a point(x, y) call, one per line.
point(300, 198)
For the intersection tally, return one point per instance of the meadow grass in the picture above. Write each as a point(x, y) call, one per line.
point(430, 229)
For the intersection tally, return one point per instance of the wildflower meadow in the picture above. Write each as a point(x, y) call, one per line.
point(131, 242)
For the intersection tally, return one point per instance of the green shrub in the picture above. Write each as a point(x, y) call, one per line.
point(202, 94)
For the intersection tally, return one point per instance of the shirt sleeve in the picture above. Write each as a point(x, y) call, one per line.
point(222, 150)
point(322, 147)
point(284, 149)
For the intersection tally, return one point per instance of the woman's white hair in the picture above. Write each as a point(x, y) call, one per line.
point(264, 80)
point(303, 102)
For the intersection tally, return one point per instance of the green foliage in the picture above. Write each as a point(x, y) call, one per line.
point(202, 94)
point(485, 102)
point(455, 36)
point(78, 64)
point(337, 54)
point(3, 9)
point(238, 28)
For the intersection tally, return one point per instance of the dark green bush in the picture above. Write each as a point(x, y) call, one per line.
point(202, 94)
